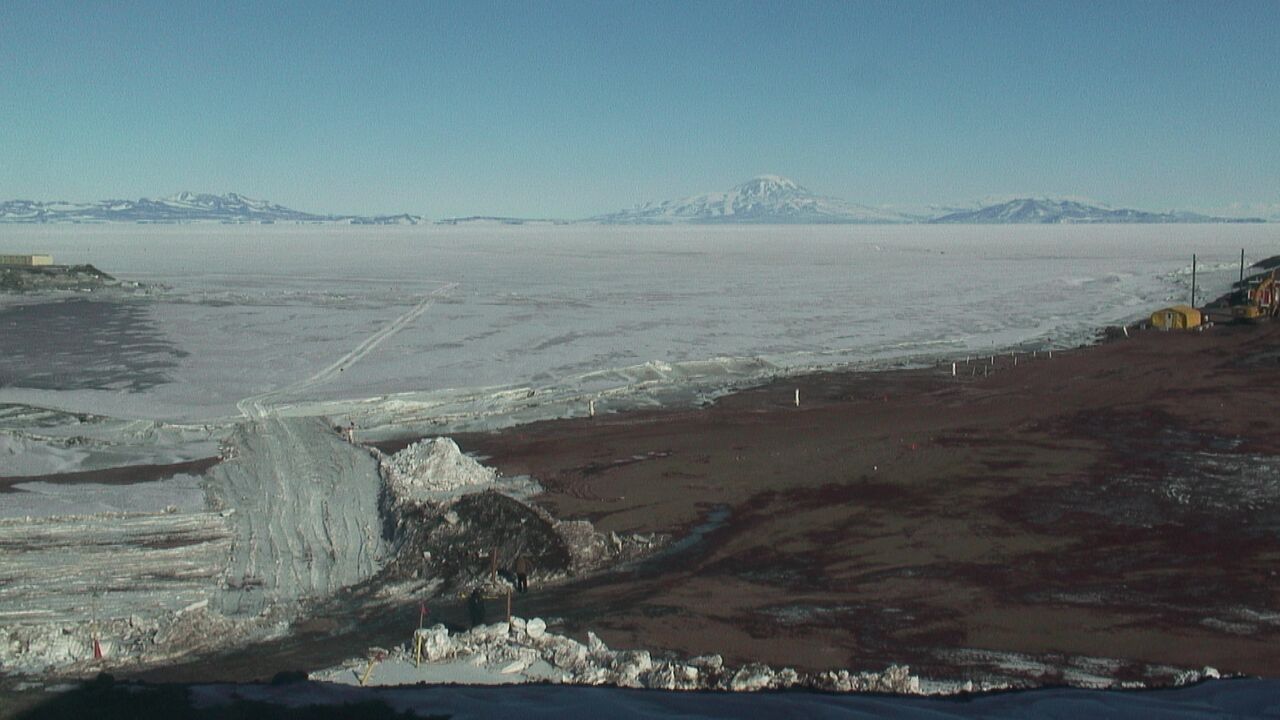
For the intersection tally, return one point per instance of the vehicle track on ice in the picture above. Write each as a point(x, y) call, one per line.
point(257, 406)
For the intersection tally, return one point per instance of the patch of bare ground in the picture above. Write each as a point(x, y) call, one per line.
point(1117, 501)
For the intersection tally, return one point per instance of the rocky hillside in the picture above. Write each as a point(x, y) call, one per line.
point(81, 278)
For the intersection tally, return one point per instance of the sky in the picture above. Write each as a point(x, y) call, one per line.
point(570, 109)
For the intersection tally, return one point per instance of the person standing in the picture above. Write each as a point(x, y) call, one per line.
point(522, 573)
point(475, 606)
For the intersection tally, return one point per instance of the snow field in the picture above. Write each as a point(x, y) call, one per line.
point(574, 311)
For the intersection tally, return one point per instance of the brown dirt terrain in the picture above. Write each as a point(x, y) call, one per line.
point(1120, 501)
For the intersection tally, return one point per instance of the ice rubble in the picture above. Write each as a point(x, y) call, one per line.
point(66, 647)
point(433, 469)
point(524, 651)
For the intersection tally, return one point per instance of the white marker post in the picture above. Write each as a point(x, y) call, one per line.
point(592, 408)
point(797, 397)
point(953, 369)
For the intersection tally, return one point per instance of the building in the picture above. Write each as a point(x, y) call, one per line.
point(26, 260)
point(1178, 317)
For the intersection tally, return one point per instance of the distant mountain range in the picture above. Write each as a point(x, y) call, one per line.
point(762, 200)
point(774, 199)
point(184, 207)
point(1045, 210)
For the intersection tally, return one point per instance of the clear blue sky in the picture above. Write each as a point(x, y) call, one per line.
point(568, 109)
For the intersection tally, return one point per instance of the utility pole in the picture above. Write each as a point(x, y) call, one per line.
point(1193, 280)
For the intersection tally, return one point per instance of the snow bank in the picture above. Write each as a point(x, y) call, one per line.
point(523, 651)
point(23, 456)
point(43, 441)
point(429, 468)
point(436, 471)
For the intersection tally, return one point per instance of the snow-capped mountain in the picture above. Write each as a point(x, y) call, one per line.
point(1046, 210)
point(763, 199)
point(183, 207)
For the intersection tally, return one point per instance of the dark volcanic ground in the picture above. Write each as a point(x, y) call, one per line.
point(1121, 501)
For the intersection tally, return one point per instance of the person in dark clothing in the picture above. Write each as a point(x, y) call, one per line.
point(522, 573)
point(475, 606)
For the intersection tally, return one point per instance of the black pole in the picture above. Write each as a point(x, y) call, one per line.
point(1193, 280)
point(1241, 265)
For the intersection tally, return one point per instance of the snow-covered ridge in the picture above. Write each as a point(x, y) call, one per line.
point(183, 207)
point(1052, 210)
point(762, 199)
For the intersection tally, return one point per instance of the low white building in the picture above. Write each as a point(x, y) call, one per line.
point(26, 260)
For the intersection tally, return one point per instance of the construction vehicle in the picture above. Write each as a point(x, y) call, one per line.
point(1257, 297)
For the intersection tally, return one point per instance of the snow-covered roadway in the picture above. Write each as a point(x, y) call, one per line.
point(305, 514)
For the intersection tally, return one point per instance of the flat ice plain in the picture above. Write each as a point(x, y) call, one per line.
point(469, 319)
